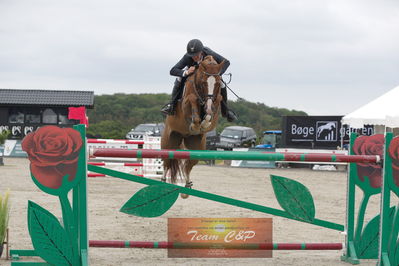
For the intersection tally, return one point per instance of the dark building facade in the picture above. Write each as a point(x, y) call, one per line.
point(23, 111)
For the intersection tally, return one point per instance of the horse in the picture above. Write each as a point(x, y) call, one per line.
point(195, 114)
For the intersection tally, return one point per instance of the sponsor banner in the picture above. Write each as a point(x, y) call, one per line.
point(215, 237)
point(112, 146)
point(18, 131)
point(253, 164)
point(12, 148)
point(316, 132)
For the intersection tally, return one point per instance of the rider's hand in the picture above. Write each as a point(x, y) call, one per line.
point(190, 70)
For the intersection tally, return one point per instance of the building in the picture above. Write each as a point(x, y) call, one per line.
point(23, 111)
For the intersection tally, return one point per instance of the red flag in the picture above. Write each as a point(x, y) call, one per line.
point(78, 113)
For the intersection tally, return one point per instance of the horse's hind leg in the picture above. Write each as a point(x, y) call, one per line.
point(196, 142)
point(171, 140)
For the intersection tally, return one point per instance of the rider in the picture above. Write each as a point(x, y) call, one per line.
point(186, 66)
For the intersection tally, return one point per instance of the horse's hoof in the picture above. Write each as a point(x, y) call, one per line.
point(184, 196)
point(193, 130)
point(188, 185)
point(205, 125)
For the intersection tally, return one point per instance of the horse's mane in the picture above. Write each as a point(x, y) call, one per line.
point(209, 64)
point(209, 60)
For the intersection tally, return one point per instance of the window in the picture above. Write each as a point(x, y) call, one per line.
point(32, 116)
point(63, 117)
point(231, 133)
point(16, 115)
point(49, 116)
point(211, 133)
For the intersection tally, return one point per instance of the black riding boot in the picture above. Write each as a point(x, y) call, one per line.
point(226, 112)
point(169, 109)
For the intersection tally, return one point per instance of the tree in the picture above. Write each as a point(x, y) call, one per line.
point(3, 136)
point(115, 115)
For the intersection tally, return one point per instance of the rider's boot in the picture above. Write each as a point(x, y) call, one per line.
point(169, 108)
point(226, 112)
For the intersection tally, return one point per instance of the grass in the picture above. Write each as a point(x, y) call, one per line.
point(4, 214)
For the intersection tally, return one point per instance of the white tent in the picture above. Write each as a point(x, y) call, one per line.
point(383, 111)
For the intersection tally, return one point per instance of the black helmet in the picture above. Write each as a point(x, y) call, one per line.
point(194, 47)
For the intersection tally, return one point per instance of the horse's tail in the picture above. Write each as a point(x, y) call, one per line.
point(173, 167)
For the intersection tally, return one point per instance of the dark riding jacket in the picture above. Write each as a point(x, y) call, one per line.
point(187, 61)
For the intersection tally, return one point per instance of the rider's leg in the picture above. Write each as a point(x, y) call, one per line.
point(229, 114)
point(169, 109)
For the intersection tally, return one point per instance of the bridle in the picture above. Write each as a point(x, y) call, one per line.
point(202, 100)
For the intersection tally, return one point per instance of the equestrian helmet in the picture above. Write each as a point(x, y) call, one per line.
point(194, 47)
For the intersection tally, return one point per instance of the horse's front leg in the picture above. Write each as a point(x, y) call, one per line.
point(208, 115)
point(195, 127)
point(211, 108)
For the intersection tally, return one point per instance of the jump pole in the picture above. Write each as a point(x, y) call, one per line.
point(233, 155)
point(102, 175)
point(114, 141)
point(115, 164)
point(123, 164)
point(181, 245)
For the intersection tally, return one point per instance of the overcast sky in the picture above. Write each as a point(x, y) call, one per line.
point(322, 57)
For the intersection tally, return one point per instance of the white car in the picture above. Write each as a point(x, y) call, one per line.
point(148, 129)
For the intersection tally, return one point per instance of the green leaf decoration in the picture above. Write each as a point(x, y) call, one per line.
point(151, 201)
point(367, 246)
point(294, 198)
point(396, 255)
point(49, 238)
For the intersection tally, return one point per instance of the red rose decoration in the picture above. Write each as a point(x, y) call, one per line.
point(53, 153)
point(370, 145)
point(394, 154)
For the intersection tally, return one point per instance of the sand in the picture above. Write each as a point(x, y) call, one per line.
point(106, 195)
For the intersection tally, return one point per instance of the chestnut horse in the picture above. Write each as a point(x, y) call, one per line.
point(196, 113)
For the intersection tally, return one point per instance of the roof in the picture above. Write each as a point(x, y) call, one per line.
point(381, 111)
point(272, 132)
point(237, 127)
point(47, 97)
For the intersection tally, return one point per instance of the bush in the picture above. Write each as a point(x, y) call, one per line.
point(4, 215)
point(3, 136)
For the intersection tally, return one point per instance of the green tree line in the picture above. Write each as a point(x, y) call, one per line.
point(115, 115)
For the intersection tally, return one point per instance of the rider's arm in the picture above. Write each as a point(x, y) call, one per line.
point(178, 69)
point(218, 59)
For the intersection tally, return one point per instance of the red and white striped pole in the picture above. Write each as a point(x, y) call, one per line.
point(178, 245)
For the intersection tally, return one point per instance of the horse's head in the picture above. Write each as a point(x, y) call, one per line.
point(208, 82)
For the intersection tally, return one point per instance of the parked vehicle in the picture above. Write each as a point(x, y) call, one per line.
point(271, 139)
point(149, 129)
point(237, 136)
point(212, 138)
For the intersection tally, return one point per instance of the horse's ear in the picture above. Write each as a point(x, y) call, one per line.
point(220, 66)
